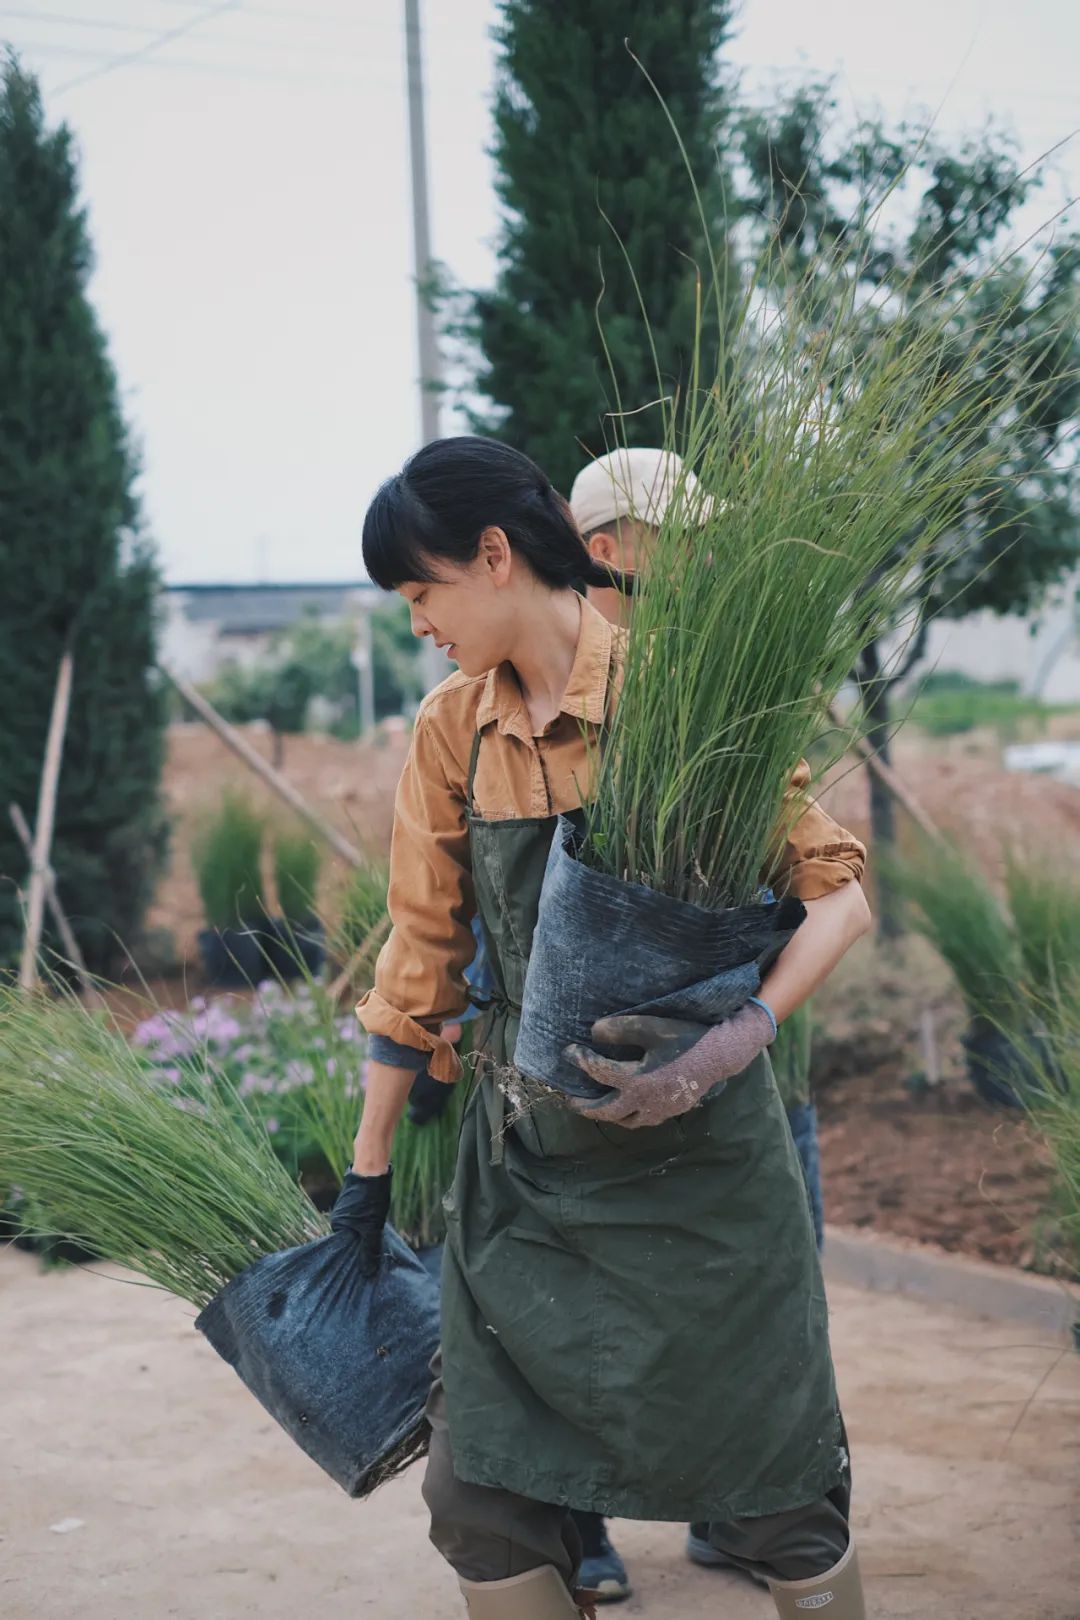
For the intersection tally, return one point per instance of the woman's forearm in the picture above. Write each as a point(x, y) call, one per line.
point(832, 926)
point(385, 1097)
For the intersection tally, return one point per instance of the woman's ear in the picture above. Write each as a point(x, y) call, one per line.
point(494, 555)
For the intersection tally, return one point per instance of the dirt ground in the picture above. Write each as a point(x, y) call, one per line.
point(141, 1480)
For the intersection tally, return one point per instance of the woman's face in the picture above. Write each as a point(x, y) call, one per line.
point(469, 611)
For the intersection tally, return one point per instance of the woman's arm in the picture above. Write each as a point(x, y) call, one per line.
point(833, 924)
point(385, 1097)
point(419, 977)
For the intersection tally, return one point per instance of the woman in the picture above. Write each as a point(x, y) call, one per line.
point(633, 1317)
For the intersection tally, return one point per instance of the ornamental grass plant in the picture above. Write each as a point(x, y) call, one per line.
point(1044, 904)
point(227, 856)
point(185, 1196)
point(297, 862)
point(1055, 1107)
point(836, 455)
point(953, 904)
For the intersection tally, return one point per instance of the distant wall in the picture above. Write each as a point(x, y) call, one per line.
point(1041, 653)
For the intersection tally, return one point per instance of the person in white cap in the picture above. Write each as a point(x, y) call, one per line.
point(619, 501)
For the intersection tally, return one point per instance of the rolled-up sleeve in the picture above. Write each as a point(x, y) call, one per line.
point(419, 977)
point(817, 855)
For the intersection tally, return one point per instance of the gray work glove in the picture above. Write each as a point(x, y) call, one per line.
point(681, 1061)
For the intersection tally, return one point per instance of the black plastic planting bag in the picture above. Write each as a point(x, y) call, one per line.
point(340, 1360)
point(603, 946)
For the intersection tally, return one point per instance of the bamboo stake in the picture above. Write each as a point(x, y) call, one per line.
point(43, 826)
point(889, 779)
point(67, 938)
point(263, 769)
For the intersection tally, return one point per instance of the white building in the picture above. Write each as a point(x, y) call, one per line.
point(1041, 653)
point(207, 627)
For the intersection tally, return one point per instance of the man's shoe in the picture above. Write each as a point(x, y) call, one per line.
point(700, 1550)
point(602, 1573)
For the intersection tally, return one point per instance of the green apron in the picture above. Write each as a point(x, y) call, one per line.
point(633, 1320)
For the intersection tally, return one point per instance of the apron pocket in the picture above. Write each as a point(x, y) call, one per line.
point(543, 1239)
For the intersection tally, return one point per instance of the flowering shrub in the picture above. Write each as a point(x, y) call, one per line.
point(289, 1058)
point(290, 1063)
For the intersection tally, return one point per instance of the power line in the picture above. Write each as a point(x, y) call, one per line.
point(207, 14)
point(230, 70)
point(341, 20)
point(76, 22)
point(316, 48)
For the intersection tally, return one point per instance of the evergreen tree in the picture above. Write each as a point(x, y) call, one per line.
point(599, 223)
point(74, 565)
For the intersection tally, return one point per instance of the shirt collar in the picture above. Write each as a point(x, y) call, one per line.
point(586, 692)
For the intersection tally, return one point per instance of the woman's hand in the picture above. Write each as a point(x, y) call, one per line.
point(681, 1061)
point(362, 1207)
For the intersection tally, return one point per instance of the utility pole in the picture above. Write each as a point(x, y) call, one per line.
point(362, 659)
point(435, 666)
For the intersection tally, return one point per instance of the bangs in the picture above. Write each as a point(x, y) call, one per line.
point(401, 537)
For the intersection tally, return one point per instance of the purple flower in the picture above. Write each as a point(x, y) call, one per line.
point(297, 1073)
point(273, 1125)
point(151, 1030)
point(331, 1067)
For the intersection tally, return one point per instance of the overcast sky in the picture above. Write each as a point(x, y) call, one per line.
point(247, 181)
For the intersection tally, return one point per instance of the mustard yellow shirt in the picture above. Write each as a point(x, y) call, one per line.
point(419, 977)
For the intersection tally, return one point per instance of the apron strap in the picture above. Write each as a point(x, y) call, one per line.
point(473, 757)
point(495, 1101)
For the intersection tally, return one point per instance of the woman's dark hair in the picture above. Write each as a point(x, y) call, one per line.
point(448, 493)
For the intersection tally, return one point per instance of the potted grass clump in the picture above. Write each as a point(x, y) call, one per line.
point(953, 906)
point(364, 918)
point(823, 487)
point(299, 945)
point(1012, 957)
point(227, 856)
point(177, 1185)
point(1055, 1107)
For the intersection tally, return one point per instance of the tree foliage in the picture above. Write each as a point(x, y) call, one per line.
point(605, 266)
point(75, 565)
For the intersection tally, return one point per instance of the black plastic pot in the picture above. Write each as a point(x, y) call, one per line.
point(234, 958)
point(296, 948)
point(1002, 1072)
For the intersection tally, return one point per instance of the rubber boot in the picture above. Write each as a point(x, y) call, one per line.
point(836, 1595)
point(539, 1594)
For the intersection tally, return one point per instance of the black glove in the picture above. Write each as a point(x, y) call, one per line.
point(361, 1208)
point(427, 1098)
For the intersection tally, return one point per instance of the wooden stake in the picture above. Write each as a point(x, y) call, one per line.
point(43, 826)
point(273, 779)
point(358, 957)
point(888, 777)
point(63, 927)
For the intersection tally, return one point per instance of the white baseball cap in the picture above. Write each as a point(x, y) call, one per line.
point(639, 484)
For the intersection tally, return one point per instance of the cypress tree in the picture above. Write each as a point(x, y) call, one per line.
point(75, 565)
point(599, 221)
